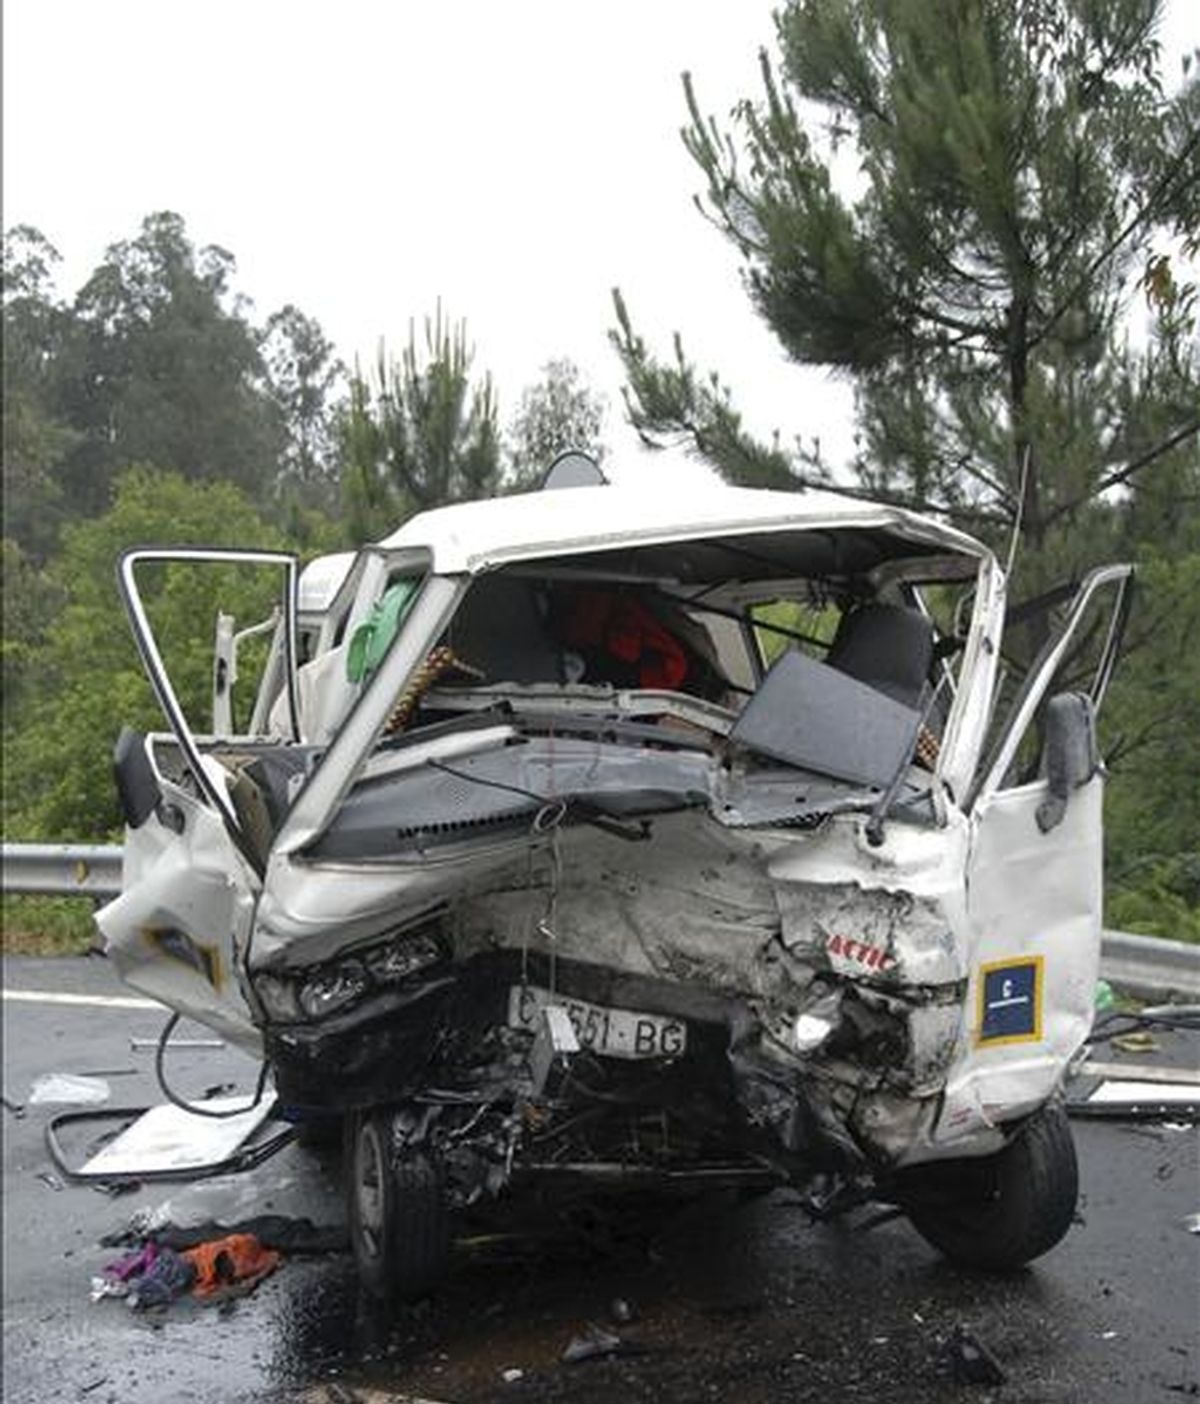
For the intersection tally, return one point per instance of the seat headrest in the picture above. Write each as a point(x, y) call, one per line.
point(889, 647)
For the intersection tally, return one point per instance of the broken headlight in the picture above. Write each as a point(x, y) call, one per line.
point(332, 988)
point(399, 959)
point(315, 993)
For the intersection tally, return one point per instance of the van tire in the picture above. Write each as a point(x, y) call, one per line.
point(999, 1212)
point(399, 1223)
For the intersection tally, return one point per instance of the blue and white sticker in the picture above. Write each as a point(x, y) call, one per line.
point(1010, 1001)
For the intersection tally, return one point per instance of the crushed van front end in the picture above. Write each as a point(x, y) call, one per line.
point(569, 849)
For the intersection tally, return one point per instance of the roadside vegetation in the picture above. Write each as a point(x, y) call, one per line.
point(44, 926)
point(986, 215)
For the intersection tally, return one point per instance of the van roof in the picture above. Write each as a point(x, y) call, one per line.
point(475, 536)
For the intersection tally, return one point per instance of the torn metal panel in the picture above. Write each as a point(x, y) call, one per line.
point(889, 914)
point(178, 930)
point(692, 903)
point(168, 1139)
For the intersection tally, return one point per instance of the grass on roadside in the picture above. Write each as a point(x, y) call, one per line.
point(47, 926)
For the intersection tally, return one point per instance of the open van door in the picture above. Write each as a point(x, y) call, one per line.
point(193, 863)
point(1035, 870)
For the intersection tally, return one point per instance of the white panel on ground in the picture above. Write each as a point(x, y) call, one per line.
point(169, 1138)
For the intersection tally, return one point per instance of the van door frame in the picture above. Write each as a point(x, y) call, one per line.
point(992, 771)
point(160, 681)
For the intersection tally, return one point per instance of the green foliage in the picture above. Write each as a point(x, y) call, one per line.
point(783, 624)
point(418, 433)
point(1152, 739)
point(303, 377)
point(1018, 164)
point(1159, 899)
point(671, 402)
point(556, 414)
point(162, 368)
point(89, 681)
point(45, 926)
point(30, 603)
point(155, 361)
point(36, 441)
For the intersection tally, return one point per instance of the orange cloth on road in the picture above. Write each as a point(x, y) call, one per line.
point(238, 1260)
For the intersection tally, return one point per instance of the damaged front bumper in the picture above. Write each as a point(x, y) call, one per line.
point(487, 1078)
point(791, 1019)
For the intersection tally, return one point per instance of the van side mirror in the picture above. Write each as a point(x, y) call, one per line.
point(137, 784)
point(1072, 755)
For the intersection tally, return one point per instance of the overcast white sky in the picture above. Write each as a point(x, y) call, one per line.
point(361, 159)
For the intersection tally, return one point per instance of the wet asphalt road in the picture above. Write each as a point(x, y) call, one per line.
point(748, 1302)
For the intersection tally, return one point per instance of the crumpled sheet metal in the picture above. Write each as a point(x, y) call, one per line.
point(691, 904)
point(181, 883)
point(754, 915)
point(757, 914)
point(889, 913)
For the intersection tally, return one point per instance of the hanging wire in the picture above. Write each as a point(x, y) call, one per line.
point(176, 1100)
point(547, 823)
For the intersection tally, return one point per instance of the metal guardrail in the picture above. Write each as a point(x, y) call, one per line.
point(1143, 965)
point(62, 869)
point(1149, 966)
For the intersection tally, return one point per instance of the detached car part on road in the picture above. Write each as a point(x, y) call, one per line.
point(595, 841)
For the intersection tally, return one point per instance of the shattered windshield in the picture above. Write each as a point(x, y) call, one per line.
point(636, 684)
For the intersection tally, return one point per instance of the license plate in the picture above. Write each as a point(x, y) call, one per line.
point(617, 1033)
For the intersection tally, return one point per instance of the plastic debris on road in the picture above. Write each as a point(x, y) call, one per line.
point(970, 1360)
point(68, 1089)
point(591, 1344)
point(168, 1138)
point(1139, 1041)
point(1140, 1093)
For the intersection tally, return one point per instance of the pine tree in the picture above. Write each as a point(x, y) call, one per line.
point(1019, 173)
point(418, 433)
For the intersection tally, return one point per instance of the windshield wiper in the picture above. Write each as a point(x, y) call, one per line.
point(874, 828)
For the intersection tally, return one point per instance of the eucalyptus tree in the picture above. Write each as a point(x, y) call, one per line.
point(558, 412)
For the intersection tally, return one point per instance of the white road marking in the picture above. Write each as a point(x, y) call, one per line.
point(87, 1001)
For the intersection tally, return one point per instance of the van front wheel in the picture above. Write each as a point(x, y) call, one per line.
point(1001, 1211)
point(399, 1226)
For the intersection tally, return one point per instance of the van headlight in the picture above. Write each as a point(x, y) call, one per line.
point(332, 988)
point(288, 996)
point(399, 959)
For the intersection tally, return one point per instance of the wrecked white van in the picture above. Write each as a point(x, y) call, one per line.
point(604, 840)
